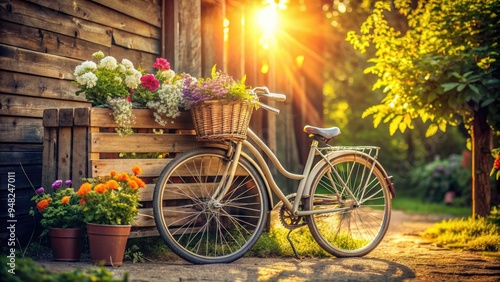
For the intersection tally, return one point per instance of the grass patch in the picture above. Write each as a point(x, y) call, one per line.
point(475, 234)
point(410, 205)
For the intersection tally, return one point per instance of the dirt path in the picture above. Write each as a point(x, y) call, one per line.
point(402, 256)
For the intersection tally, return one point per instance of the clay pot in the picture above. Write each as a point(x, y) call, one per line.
point(107, 243)
point(66, 243)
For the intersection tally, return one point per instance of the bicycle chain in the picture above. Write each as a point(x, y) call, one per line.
point(288, 220)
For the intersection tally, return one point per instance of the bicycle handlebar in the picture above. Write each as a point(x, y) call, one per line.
point(263, 92)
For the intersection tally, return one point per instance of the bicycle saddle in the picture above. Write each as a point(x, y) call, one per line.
point(322, 134)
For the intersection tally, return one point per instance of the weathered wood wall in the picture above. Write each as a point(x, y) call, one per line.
point(41, 42)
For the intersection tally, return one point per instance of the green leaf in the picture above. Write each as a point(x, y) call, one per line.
point(461, 87)
point(474, 88)
point(487, 102)
point(450, 85)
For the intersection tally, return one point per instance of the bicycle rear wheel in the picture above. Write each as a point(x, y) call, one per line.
point(195, 225)
point(360, 193)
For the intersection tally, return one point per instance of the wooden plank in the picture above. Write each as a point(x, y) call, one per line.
point(140, 143)
point(79, 160)
point(212, 32)
point(16, 157)
point(136, 42)
point(25, 61)
point(20, 130)
point(51, 118)
point(103, 15)
point(38, 86)
point(64, 144)
point(149, 11)
point(49, 168)
point(150, 167)
point(189, 40)
point(31, 179)
point(44, 41)
point(26, 106)
point(33, 15)
point(144, 118)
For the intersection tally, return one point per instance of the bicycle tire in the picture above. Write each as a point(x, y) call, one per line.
point(195, 227)
point(361, 226)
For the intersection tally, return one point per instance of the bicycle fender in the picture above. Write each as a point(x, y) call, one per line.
point(335, 154)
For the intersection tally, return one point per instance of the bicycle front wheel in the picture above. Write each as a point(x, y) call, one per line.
point(193, 222)
point(358, 193)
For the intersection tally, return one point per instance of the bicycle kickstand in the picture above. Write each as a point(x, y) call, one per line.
point(291, 244)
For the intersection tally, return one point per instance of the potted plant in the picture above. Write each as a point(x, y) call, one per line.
point(220, 105)
point(62, 219)
point(110, 204)
point(121, 87)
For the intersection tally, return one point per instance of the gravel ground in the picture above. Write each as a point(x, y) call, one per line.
point(402, 256)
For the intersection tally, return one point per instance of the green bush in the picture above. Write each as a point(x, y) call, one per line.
point(433, 180)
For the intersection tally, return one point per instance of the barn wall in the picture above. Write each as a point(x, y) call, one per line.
point(41, 42)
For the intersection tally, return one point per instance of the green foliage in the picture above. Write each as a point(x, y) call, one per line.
point(443, 66)
point(134, 254)
point(26, 270)
point(477, 234)
point(431, 181)
point(59, 209)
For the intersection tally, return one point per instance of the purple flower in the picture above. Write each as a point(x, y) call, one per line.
point(57, 184)
point(40, 190)
point(68, 182)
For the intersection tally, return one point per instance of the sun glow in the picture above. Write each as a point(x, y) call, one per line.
point(267, 20)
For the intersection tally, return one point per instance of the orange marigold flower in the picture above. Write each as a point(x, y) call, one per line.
point(496, 165)
point(123, 177)
point(82, 201)
point(112, 184)
point(133, 184)
point(100, 188)
point(84, 189)
point(113, 173)
point(139, 181)
point(43, 204)
point(136, 170)
point(65, 200)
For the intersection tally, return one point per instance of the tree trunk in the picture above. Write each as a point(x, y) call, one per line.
point(481, 146)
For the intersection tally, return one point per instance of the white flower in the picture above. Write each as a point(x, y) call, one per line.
point(168, 102)
point(133, 78)
point(88, 79)
point(108, 62)
point(168, 75)
point(84, 67)
point(127, 63)
point(122, 114)
point(98, 55)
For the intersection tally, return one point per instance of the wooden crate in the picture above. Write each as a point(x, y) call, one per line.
point(82, 142)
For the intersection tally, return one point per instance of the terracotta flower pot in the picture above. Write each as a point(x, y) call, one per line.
point(107, 243)
point(66, 243)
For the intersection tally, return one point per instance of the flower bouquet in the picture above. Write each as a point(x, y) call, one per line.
point(220, 105)
point(122, 87)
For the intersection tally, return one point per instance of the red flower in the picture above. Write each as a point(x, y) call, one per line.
point(496, 165)
point(150, 82)
point(161, 64)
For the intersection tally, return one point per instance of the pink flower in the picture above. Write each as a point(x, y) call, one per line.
point(161, 64)
point(496, 164)
point(150, 82)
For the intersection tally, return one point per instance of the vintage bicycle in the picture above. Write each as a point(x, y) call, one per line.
point(212, 203)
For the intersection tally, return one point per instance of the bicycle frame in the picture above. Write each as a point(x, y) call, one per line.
point(304, 178)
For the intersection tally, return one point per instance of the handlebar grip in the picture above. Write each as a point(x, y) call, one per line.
point(274, 96)
point(269, 108)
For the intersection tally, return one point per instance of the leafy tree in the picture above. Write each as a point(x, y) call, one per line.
point(442, 70)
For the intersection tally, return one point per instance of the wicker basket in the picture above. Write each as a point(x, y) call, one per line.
point(221, 120)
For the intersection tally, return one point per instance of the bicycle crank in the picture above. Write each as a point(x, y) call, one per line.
point(287, 219)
